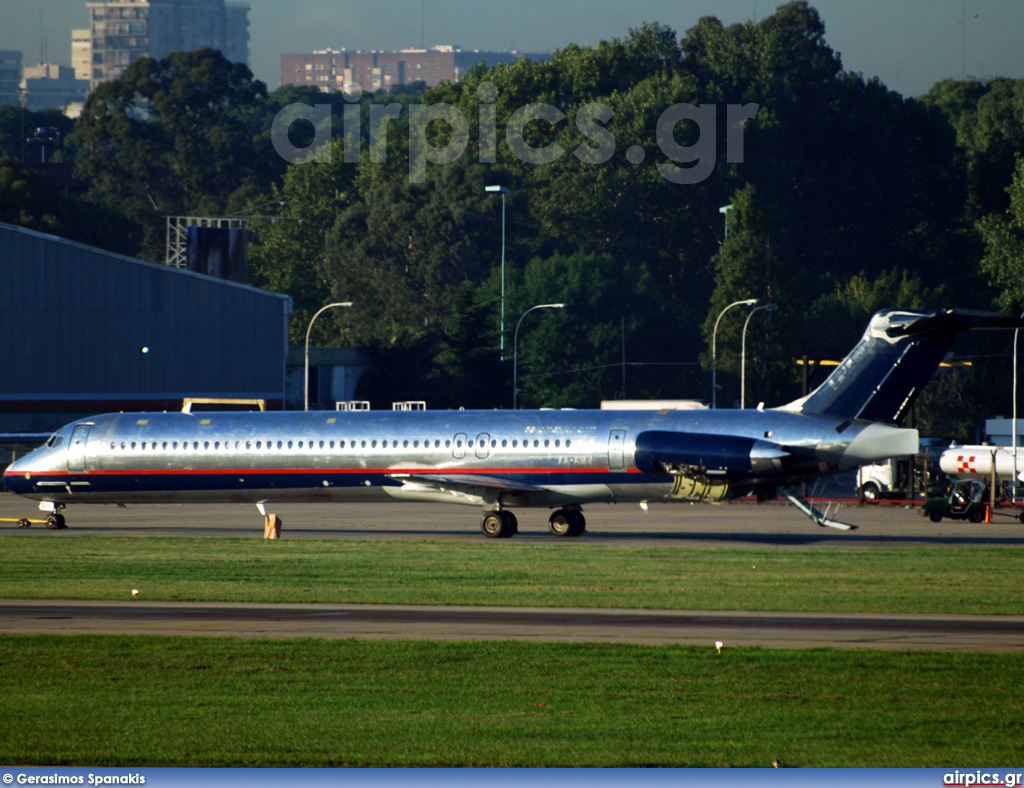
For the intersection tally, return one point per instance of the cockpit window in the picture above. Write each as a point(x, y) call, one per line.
point(54, 441)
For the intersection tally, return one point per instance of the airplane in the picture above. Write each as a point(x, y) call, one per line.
point(505, 460)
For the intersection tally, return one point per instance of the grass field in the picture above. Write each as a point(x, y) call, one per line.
point(162, 701)
point(958, 580)
point(224, 702)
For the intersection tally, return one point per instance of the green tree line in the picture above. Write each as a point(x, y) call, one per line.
point(844, 198)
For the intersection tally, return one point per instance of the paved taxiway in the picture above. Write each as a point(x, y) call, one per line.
point(678, 525)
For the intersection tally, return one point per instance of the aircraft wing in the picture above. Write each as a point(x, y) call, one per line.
point(467, 483)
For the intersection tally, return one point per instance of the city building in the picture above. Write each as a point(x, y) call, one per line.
point(10, 76)
point(330, 69)
point(52, 86)
point(123, 31)
point(81, 53)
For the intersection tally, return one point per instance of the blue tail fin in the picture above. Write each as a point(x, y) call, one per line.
point(898, 354)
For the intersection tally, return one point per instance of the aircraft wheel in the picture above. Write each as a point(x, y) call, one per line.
point(498, 525)
point(56, 522)
point(577, 522)
point(975, 515)
point(935, 516)
point(559, 523)
point(567, 522)
point(24, 523)
point(1021, 517)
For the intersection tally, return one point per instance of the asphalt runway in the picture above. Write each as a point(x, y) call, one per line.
point(774, 525)
point(655, 627)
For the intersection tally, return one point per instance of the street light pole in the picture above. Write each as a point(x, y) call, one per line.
point(714, 336)
point(515, 345)
point(743, 352)
point(502, 191)
point(1013, 443)
point(305, 378)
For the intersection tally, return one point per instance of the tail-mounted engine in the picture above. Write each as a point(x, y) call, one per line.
point(706, 467)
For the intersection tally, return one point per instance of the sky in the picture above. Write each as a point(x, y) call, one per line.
point(908, 44)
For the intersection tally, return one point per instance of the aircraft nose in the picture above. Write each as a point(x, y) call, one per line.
point(14, 477)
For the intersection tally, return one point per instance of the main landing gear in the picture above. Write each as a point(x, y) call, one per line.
point(567, 522)
point(503, 524)
point(499, 525)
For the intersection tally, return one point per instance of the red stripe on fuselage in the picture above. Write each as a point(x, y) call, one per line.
point(296, 471)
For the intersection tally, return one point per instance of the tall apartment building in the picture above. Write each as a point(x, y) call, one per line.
point(330, 69)
point(123, 31)
point(10, 76)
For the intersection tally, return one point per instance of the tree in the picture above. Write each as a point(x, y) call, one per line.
point(1003, 236)
point(289, 252)
point(33, 200)
point(573, 357)
point(168, 138)
point(754, 262)
point(989, 123)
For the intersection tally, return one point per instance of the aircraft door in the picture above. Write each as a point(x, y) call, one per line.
point(483, 445)
point(76, 449)
point(459, 446)
point(616, 446)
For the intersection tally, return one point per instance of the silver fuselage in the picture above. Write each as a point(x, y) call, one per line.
point(510, 458)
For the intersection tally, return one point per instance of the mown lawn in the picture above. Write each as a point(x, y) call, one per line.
point(958, 580)
point(125, 701)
